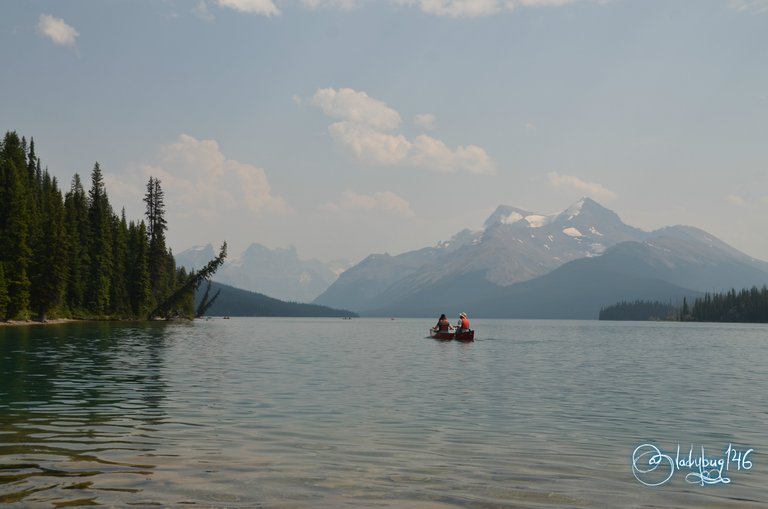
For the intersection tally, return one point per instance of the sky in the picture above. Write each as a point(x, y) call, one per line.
point(351, 127)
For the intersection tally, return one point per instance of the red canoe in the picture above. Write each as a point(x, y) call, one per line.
point(467, 335)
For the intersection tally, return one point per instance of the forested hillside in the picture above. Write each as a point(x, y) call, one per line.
point(639, 310)
point(70, 255)
point(748, 305)
point(231, 301)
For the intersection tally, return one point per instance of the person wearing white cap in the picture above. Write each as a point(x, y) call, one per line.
point(463, 324)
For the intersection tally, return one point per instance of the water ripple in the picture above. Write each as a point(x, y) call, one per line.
point(367, 413)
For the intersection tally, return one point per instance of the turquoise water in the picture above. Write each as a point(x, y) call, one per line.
point(300, 413)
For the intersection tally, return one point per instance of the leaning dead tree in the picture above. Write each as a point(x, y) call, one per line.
point(206, 302)
point(195, 279)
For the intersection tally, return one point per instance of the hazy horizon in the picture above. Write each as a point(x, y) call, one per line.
point(350, 127)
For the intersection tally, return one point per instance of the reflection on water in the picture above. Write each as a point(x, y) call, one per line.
point(368, 413)
point(73, 404)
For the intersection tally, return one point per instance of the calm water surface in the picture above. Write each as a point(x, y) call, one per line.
point(329, 413)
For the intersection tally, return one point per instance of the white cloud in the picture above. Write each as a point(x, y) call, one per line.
point(446, 8)
point(589, 188)
point(365, 131)
point(57, 30)
point(460, 8)
point(200, 182)
point(749, 5)
point(737, 200)
point(425, 121)
point(262, 7)
point(370, 145)
point(208, 195)
point(357, 107)
point(203, 172)
point(433, 154)
point(201, 11)
point(383, 201)
point(550, 3)
point(116, 186)
point(480, 8)
point(341, 4)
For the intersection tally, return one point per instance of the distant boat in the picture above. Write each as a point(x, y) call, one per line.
point(226, 318)
point(466, 336)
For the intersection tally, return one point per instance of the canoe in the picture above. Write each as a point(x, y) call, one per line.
point(467, 335)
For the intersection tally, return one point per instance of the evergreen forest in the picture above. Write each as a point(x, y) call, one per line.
point(747, 305)
point(69, 255)
point(639, 310)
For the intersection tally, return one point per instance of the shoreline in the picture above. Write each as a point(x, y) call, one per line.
point(61, 321)
point(52, 321)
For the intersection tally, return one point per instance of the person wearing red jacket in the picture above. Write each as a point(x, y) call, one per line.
point(463, 324)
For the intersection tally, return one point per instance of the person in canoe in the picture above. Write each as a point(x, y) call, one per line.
point(463, 324)
point(443, 325)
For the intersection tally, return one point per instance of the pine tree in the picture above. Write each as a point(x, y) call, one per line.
point(49, 260)
point(34, 188)
point(137, 269)
point(119, 286)
point(99, 219)
point(14, 225)
point(31, 159)
point(171, 281)
point(77, 241)
point(161, 280)
point(3, 291)
point(36, 234)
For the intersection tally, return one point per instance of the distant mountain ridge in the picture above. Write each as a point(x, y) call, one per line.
point(279, 273)
point(523, 264)
point(233, 301)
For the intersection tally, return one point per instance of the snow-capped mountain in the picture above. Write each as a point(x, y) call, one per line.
point(516, 245)
point(672, 263)
point(279, 273)
point(195, 257)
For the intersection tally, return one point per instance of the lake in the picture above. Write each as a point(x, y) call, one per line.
point(330, 413)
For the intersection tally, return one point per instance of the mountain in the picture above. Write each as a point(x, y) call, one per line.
point(526, 265)
point(514, 245)
point(689, 257)
point(279, 273)
point(237, 302)
point(195, 257)
point(673, 263)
